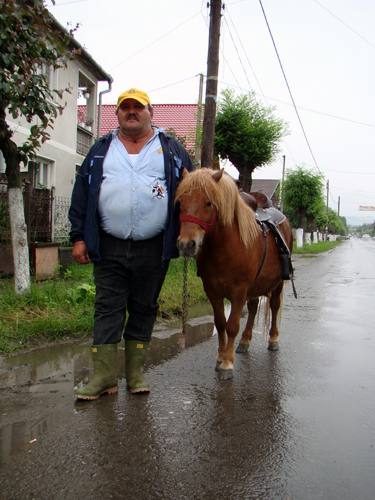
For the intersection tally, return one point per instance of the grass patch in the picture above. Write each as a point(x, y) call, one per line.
point(315, 248)
point(63, 308)
point(171, 296)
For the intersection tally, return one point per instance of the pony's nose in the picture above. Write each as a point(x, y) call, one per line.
point(186, 248)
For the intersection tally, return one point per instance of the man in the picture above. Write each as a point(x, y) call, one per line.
point(123, 220)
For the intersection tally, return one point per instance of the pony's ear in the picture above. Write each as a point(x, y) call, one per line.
point(218, 175)
point(184, 172)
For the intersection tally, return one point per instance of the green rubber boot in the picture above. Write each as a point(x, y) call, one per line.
point(104, 379)
point(135, 354)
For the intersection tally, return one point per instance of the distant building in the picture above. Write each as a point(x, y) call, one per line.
point(72, 136)
point(267, 187)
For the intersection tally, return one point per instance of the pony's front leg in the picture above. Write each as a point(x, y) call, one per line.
point(226, 368)
point(275, 302)
point(247, 334)
point(220, 324)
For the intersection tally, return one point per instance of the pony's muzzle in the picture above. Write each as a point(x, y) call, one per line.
point(187, 247)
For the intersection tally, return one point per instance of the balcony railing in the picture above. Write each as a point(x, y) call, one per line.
point(84, 140)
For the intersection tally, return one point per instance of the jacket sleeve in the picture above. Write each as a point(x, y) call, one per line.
point(78, 207)
point(181, 156)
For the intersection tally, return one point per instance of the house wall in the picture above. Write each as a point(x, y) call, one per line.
point(61, 150)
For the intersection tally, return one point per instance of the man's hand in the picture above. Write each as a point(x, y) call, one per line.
point(80, 254)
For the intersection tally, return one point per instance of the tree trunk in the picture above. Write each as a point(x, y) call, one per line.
point(245, 170)
point(16, 211)
point(246, 180)
point(301, 217)
point(19, 241)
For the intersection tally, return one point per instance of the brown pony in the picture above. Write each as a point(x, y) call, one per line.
point(235, 258)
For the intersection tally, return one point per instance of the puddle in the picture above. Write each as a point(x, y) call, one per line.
point(37, 387)
point(50, 369)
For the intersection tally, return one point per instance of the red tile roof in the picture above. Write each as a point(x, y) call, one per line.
point(182, 118)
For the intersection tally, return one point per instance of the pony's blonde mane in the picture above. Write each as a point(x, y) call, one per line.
point(224, 195)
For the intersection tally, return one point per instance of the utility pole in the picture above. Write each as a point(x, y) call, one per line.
point(338, 207)
point(199, 119)
point(211, 85)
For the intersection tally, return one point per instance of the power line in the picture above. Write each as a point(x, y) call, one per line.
point(287, 84)
point(346, 25)
point(172, 84)
point(356, 122)
point(226, 62)
point(325, 114)
point(66, 3)
point(247, 58)
point(355, 173)
point(238, 54)
point(243, 67)
point(156, 40)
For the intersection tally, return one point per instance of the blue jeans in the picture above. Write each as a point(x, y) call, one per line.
point(129, 278)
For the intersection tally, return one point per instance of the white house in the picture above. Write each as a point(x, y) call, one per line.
point(58, 159)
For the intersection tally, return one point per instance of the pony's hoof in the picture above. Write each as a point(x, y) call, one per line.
point(217, 367)
point(242, 348)
point(225, 374)
point(273, 346)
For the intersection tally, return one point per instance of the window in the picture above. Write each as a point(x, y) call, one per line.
point(40, 174)
point(49, 74)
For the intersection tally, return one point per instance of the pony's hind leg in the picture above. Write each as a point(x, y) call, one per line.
point(247, 334)
point(275, 303)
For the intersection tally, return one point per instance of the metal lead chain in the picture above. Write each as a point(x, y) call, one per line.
point(184, 296)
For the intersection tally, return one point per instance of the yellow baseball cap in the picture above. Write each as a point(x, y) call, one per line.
point(136, 94)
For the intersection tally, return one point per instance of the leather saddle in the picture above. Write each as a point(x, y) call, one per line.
point(269, 218)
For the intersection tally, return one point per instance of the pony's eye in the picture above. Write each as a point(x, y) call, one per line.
point(209, 204)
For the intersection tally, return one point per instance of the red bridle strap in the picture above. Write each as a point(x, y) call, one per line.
point(205, 225)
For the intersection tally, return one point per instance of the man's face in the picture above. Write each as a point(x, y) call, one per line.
point(133, 116)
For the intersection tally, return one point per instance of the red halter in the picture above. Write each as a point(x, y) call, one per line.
point(205, 225)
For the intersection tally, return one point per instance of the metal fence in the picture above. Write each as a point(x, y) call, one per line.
point(38, 214)
point(61, 224)
point(46, 216)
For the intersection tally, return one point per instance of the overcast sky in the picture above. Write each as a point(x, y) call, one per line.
point(326, 49)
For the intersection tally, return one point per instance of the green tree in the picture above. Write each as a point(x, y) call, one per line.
point(303, 198)
point(345, 224)
point(246, 133)
point(30, 44)
point(335, 223)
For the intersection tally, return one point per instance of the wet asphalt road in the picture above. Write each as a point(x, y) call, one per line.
point(294, 424)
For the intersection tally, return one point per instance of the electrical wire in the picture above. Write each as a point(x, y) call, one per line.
point(238, 54)
point(66, 3)
point(289, 90)
point(227, 13)
point(346, 25)
point(153, 42)
point(352, 173)
point(172, 84)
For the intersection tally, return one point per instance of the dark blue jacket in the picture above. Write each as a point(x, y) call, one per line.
point(83, 212)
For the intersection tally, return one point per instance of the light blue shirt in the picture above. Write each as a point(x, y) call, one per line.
point(133, 198)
